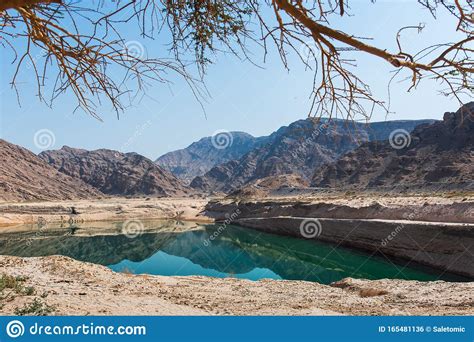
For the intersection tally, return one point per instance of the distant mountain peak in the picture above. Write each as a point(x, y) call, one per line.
point(200, 156)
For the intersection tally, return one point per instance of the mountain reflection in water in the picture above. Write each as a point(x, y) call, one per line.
point(235, 252)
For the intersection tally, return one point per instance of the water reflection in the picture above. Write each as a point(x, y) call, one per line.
point(178, 249)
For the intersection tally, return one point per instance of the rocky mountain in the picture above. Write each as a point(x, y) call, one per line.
point(115, 173)
point(298, 149)
point(25, 177)
point(437, 156)
point(201, 156)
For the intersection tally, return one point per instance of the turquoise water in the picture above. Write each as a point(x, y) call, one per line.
point(166, 264)
point(236, 252)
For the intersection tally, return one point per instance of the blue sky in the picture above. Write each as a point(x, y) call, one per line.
point(243, 97)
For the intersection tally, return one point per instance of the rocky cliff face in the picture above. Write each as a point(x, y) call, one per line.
point(199, 157)
point(115, 173)
point(298, 149)
point(25, 177)
point(438, 157)
point(401, 229)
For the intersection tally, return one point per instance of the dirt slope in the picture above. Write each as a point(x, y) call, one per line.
point(26, 177)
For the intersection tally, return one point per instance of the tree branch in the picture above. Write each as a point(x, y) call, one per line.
point(10, 4)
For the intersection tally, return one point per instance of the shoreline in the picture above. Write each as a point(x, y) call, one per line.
point(423, 208)
point(404, 228)
point(68, 287)
point(104, 210)
point(434, 231)
point(424, 243)
point(361, 222)
point(80, 288)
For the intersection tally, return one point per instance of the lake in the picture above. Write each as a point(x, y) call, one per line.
point(176, 248)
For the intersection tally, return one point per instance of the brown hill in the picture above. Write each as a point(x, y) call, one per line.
point(439, 156)
point(25, 177)
point(115, 173)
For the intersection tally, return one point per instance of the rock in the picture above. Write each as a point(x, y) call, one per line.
point(25, 177)
point(202, 155)
point(447, 246)
point(271, 186)
point(298, 149)
point(115, 173)
point(439, 156)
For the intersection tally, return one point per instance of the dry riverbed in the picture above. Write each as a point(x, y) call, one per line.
point(109, 209)
point(57, 285)
point(457, 208)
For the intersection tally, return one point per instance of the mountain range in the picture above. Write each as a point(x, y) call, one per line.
point(439, 156)
point(199, 157)
point(300, 149)
point(307, 153)
point(26, 177)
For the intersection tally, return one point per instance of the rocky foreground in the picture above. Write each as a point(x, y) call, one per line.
point(59, 285)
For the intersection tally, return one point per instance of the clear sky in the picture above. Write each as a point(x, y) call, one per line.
point(244, 97)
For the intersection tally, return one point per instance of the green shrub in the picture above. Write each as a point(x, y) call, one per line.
point(35, 308)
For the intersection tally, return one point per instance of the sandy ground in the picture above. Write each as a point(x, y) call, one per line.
point(455, 208)
point(103, 210)
point(386, 199)
point(73, 287)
